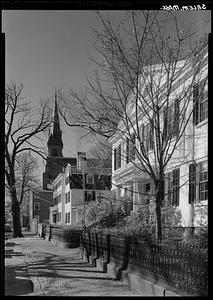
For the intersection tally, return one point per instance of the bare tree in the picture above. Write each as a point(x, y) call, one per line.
point(142, 92)
point(26, 178)
point(22, 127)
point(102, 152)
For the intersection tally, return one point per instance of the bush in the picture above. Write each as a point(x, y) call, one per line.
point(98, 210)
point(199, 239)
point(131, 225)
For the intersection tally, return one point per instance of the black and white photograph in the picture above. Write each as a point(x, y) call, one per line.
point(106, 151)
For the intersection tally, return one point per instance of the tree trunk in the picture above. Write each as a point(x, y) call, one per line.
point(158, 217)
point(159, 200)
point(16, 216)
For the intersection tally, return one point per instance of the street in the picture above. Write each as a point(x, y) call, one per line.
point(35, 267)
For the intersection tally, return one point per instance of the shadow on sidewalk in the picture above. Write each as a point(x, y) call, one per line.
point(9, 253)
point(9, 244)
point(17, 282)
point(56, 267)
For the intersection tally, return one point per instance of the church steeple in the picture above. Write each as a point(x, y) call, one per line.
point(55, 144)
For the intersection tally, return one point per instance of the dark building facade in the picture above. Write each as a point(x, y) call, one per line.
point(55, 163)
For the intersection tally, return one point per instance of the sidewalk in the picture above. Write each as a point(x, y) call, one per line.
point(35, 267)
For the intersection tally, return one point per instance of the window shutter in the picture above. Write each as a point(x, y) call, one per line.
point(147, 133)
point(127, 150)
point(176, 184)
point(176, 117)
point(119, 156)
point(151, 137)
point(142, 136)
point(169, 176)
point(132, 153)
point(85, 196)
point(192, 183)
point(165, 120)
point(195, 103)
point(93, 195)
point(115, 159)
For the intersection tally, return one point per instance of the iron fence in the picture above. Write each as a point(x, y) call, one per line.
point(179, 266)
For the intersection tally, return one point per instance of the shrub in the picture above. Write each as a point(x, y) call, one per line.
point(199, 239)
point(98, 210)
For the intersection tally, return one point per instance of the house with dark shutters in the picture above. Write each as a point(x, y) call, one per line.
point(186, 180)
point(77, 186)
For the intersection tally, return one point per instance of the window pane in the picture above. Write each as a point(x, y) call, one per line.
point(192, 183)
point(203, 182)
point(203, 111)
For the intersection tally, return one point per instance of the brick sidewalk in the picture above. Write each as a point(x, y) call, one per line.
point(55, 272)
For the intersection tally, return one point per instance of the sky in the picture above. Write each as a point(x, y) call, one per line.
point(45, 49)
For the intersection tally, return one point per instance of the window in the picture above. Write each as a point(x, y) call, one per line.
point(59, 217)
point(89, 179)
point(203, 181)
point(171, 119)
point(36, 206)
point(147, 137)
point(200, 102)
point(130, 149)
point(67, 197)
point(147, 188)
point(54, 218)
point(192, 183)
point(198, 182)
point(74, 216)
point(67, 217)
point(173, 187)
point(117, 157)
point(89, 196)
point(57, 199)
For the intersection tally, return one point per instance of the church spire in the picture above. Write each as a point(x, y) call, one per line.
point(55, 144)
point(55, 125)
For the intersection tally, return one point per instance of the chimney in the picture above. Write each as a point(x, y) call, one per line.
point(81, 160)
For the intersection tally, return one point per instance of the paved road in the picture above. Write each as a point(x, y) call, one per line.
point(55, 272)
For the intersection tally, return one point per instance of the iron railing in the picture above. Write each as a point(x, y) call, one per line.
point(177, 265)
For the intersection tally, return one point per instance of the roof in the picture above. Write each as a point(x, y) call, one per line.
point(98, 163)
point(63, 161)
